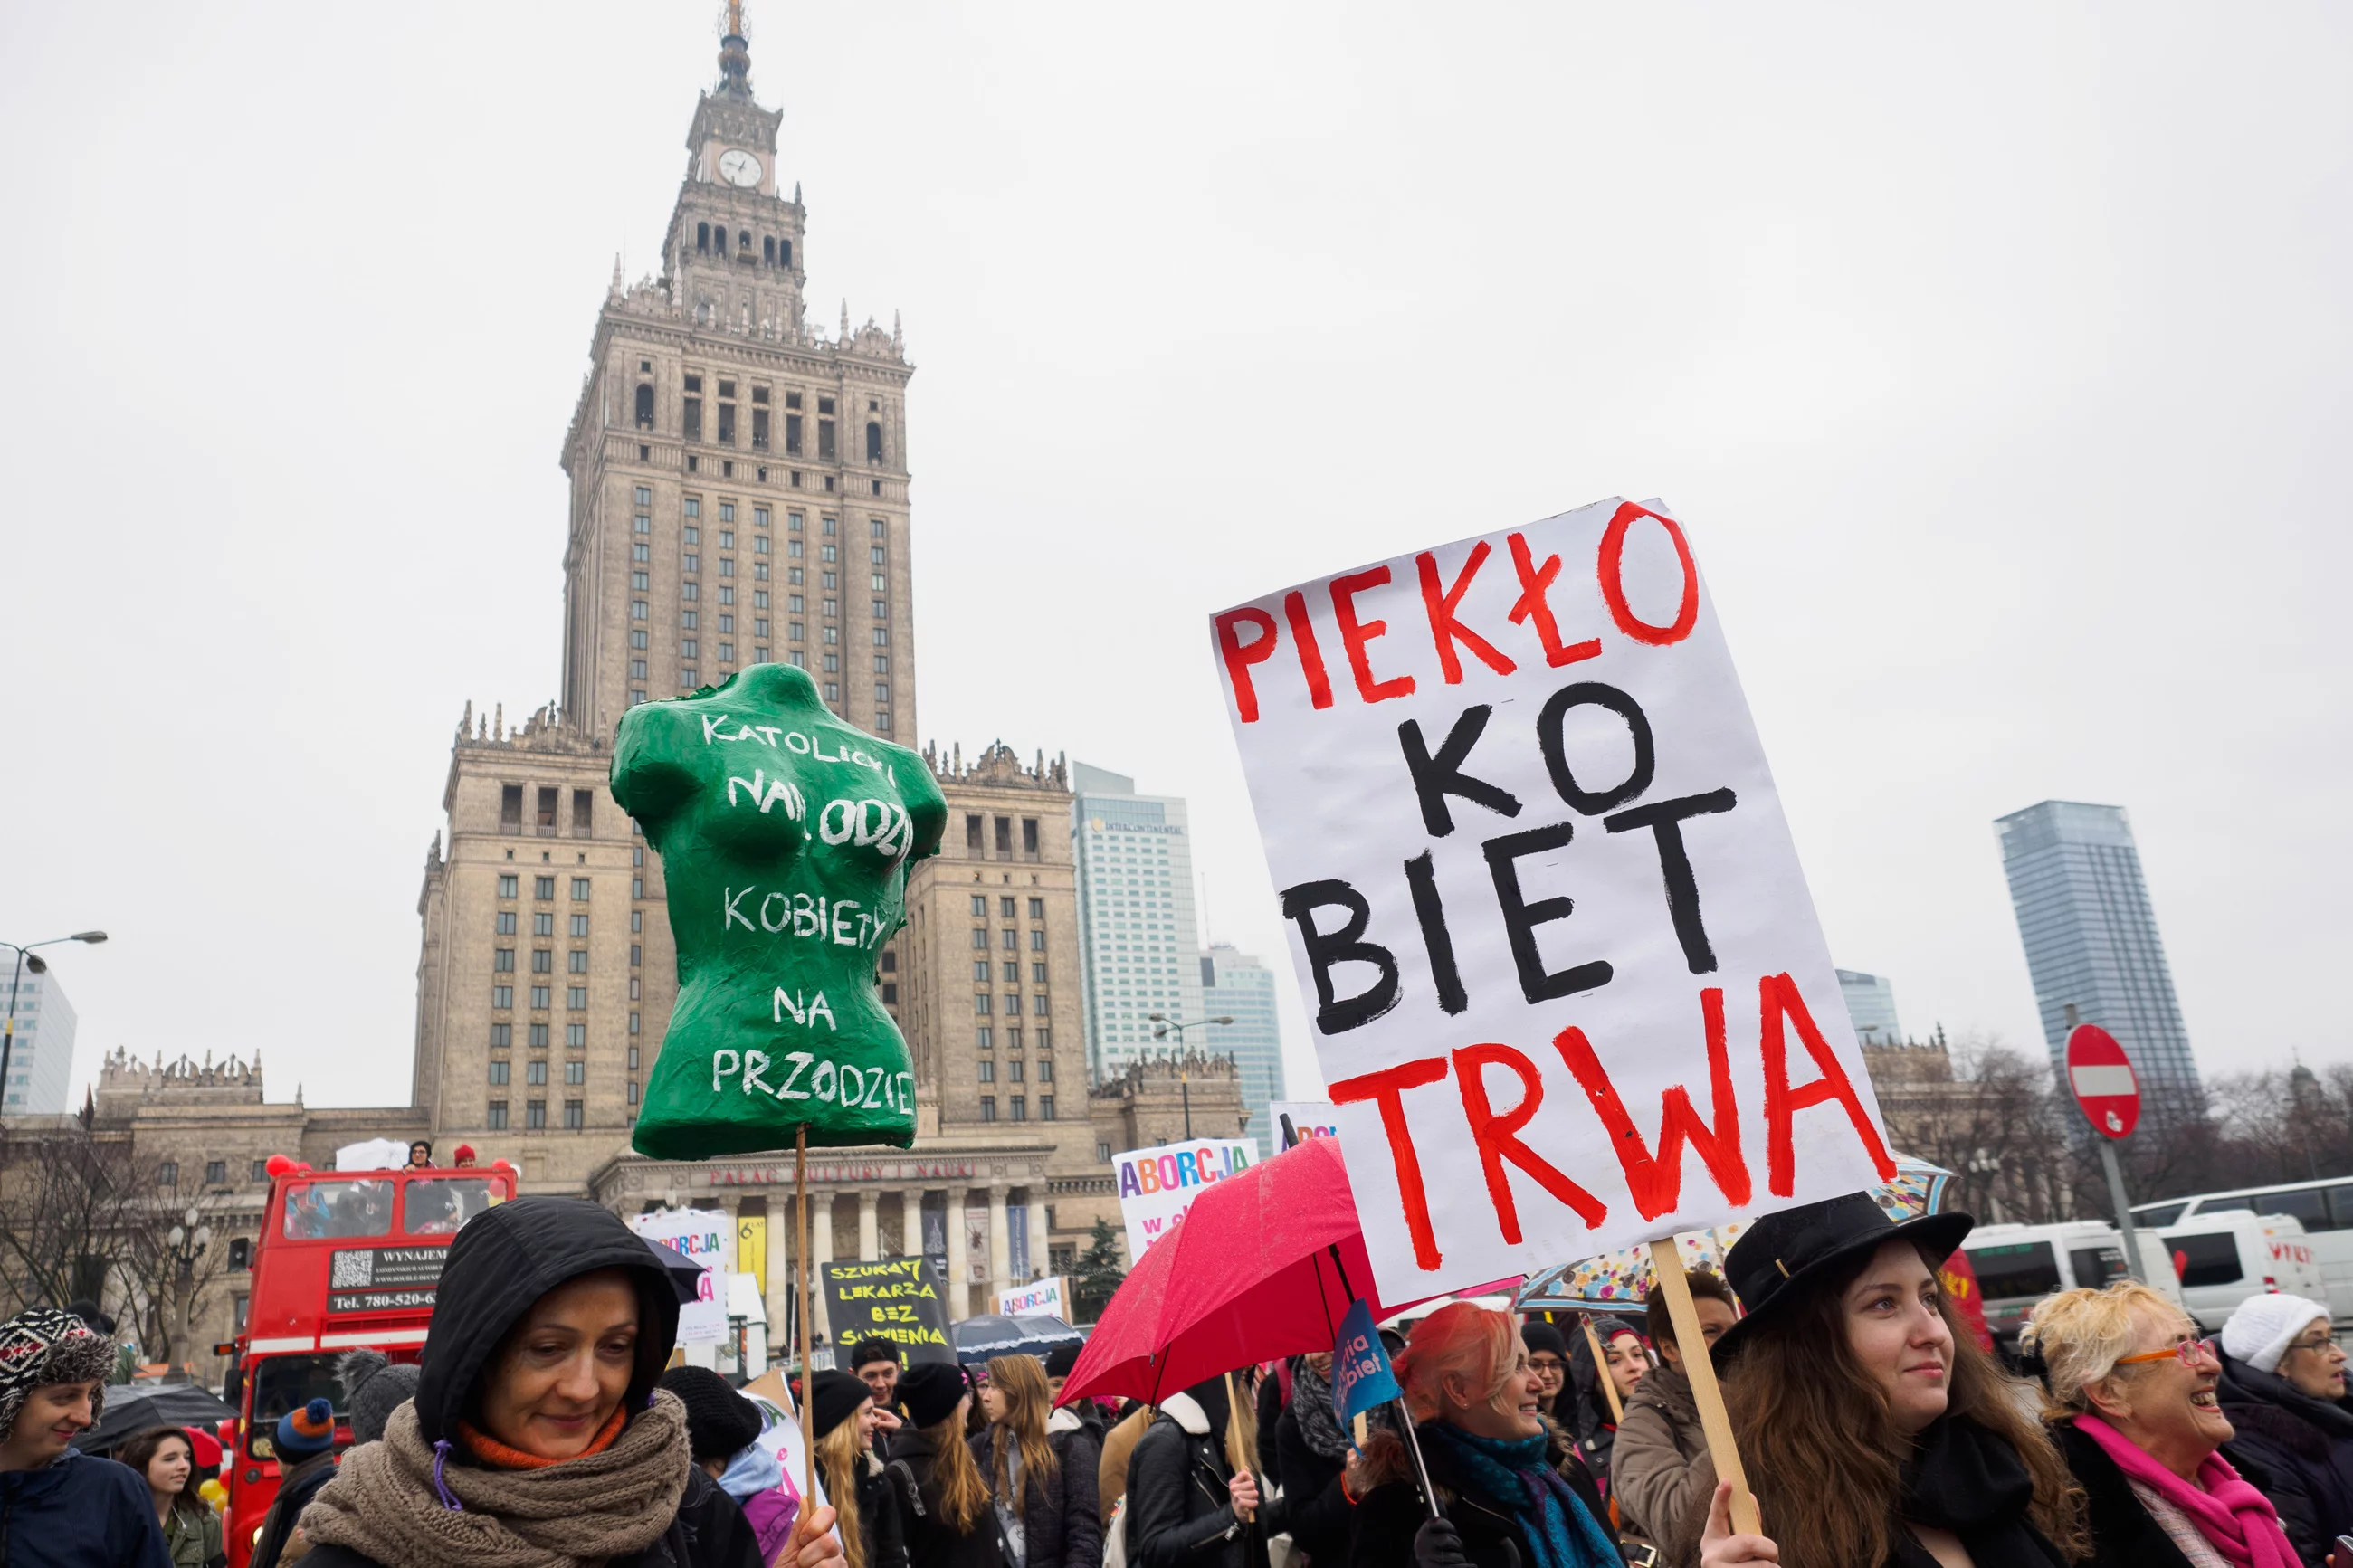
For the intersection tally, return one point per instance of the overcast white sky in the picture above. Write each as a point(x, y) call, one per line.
point(1997, 364)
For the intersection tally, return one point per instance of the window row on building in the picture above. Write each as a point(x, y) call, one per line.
point(730, 426)
point(535, 1114)
point(984, 1036)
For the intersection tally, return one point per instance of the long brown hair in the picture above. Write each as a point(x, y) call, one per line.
point(841, 1454)
point(141, 1451)
point(1824, 1455)
point(1021, 1381)
point(964, 1495)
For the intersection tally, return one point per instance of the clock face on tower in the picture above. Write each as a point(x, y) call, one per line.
point(738, 167)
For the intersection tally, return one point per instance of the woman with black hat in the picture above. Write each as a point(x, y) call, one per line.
point(950, 1523)
point(537, 1438)
point(843, 1420)
point(1871, 1427)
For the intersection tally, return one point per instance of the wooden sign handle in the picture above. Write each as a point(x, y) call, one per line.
point(1602, 1372)
point(808, 1317)
point(1690, 1342)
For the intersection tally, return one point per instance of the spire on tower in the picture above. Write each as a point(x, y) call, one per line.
point(735, 52)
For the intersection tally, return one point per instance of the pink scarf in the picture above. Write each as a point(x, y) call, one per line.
point(2238, 1520)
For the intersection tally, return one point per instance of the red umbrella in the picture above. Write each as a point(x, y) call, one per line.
point(1247, 1276)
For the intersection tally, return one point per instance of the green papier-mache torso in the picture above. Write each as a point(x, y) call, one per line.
point(784, 836)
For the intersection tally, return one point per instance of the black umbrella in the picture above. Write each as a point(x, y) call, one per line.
point(685, 1274)
point(132, 1407)
point(993, 1334)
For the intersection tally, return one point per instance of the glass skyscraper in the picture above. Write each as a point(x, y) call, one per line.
point(1235, 985)
point(1870, 1007)
point(1139, 945)
point(2091, 936)
point(40, 1066)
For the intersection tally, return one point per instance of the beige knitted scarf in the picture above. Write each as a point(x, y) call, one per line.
point(386, 1500)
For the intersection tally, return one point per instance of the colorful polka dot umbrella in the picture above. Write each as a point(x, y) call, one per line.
point(1621, 1281)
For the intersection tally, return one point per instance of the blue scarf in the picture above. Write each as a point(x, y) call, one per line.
point(1515, 1477)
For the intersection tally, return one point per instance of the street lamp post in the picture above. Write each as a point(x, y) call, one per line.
point(24, 956)
point(187, 1242)
point(1165, 1025)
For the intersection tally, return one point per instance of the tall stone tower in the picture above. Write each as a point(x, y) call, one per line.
point(738, 495)
point(739, 482)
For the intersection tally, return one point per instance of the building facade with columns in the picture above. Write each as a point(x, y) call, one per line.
point(738, 494)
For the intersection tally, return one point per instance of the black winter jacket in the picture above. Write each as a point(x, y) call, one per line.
point(2303, 1445)
point(1391, 1514)
point(881, 1517)
point(1061, 1526)
point(931, 1542)
point(2123, 1533)
point(1317, 1510)
point(1178, 1512)
point(503, 1260)
point(296, 1488)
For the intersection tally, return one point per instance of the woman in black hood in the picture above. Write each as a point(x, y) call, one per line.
point(1584, 1407)
point(536, 1437)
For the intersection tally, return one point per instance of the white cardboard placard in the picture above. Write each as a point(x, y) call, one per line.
point(1157, 1186)
point(1544, 907)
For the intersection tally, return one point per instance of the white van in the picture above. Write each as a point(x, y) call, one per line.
point(2324, 1209)
point(2017, 1265)
point(2222, 1259)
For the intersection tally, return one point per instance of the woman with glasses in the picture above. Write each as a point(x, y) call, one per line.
point(2283, 1388)
point(2133, 1404)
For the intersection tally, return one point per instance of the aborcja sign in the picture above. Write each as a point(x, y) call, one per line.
point(1544, 911)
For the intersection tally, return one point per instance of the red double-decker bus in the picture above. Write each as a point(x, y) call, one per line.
point(347, 1260)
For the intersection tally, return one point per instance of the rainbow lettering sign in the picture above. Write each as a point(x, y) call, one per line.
point(1157, 1186)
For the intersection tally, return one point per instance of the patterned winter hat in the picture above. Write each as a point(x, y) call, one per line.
point(42, 1345)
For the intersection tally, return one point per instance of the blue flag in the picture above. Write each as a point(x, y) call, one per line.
point(1361, 1378)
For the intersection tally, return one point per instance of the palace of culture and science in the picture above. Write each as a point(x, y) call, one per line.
point(738, 494)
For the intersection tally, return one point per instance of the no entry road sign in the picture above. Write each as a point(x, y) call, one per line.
point(2101, 1076)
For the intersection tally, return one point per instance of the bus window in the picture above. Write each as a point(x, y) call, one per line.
point(2209, 1259)
point(2098, 1268)
point(284, 1383)
point(2236, 1202)
point(2309, 1204)
point(2159, 1215)
point(315, 1209)
point(439, 1204)
point(2019, 1269)
point(2340, 1199)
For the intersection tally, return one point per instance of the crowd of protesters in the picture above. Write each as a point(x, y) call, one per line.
point(544, 1427)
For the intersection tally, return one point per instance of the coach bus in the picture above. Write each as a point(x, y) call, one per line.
point(347, 1260)
point(2324, 1207)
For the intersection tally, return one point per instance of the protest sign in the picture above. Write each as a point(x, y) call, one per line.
point(705, 1237)
point(780, 1435)
point(1157, 1186)
point(895, 1298)
point(1047, 1298)
point(1361, 1377)
point(1544, 911)
point(1309, 1117)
